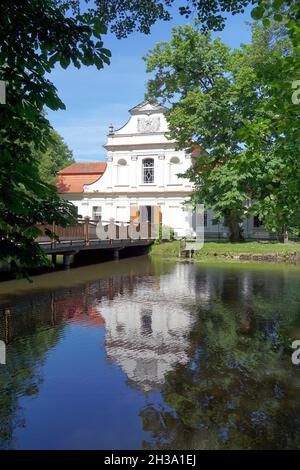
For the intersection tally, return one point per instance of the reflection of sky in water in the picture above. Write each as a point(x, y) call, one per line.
point(105, 363)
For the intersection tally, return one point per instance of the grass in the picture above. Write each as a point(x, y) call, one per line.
point(249, 247)
point(226, 249)
point(166, 249)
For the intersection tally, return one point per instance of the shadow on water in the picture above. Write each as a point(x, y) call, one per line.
point(82, 258)
point(183, 356)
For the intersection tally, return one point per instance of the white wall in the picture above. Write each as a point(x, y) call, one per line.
point(129, 177)
point(174, 214)
point(122, 185)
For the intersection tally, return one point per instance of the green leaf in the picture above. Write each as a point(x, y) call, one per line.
point(99, 27)
point(65, 62)
point(257, 12)
point(277, 4)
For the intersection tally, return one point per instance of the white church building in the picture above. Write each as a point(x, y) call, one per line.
point(139, 179)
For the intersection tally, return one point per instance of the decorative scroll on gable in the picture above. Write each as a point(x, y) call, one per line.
point(149, 124)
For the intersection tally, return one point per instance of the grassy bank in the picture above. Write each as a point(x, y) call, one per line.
point(227, 250)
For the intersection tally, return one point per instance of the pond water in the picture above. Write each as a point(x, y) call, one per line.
point(150, 354)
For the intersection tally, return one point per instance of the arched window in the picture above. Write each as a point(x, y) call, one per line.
point(174, 169)
point(122, 172)
point(148, 170)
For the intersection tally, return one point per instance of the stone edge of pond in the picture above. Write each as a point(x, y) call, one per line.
point(289, 257)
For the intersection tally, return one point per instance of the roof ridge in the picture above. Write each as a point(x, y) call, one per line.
point(83, 168)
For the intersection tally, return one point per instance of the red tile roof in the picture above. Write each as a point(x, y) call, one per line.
point(76, 309)
point(84, 168)
point(75, 176)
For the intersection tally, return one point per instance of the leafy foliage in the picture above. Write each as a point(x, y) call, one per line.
point(278, 117)
point(37, 35)
point(56, 156)
point(211, 14)
point(217, 99)
point(126, 16)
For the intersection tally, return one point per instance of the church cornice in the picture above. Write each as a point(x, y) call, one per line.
point(136, 134)
point(131, 146)
point(185, 192)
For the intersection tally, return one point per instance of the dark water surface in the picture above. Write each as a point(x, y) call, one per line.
point(147, 353)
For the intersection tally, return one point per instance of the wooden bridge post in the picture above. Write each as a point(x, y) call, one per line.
point(53, 241)
point(86, 231)
point(67, 261)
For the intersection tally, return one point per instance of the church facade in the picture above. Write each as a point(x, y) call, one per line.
point(139, 180)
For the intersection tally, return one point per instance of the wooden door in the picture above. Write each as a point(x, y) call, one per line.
point(157, 215)
point(134, 214)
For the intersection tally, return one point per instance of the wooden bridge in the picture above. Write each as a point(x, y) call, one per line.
point(82, 236)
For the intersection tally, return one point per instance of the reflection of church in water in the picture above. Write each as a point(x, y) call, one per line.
point(145, 335)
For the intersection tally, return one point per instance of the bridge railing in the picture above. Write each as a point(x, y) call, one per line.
point(86, 231)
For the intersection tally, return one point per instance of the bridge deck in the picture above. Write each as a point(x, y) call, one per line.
point(83, 236)
point(73, 246)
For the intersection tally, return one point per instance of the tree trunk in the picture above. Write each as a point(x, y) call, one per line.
point(285, 235)
point(235, 231)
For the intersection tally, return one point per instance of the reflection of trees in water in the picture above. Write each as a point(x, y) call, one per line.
point(239, 389)
point(31, 328)
point(21, 378)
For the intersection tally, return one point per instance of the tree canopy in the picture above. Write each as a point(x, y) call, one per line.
point(56, 156)
point(219, 100)
point(36, 35)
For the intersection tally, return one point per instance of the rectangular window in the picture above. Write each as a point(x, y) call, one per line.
point(97, 213)
point(148, 170)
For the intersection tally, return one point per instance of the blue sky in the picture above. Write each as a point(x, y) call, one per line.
point(94, 98)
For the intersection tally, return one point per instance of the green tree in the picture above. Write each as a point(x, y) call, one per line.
point(273, 137)
point(215, 95)
point(35, 36)
point(279, 111)
point(196, 76)
point(56, 156)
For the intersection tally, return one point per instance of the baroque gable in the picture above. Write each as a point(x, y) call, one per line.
point(140, 157)
point(147, 108)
